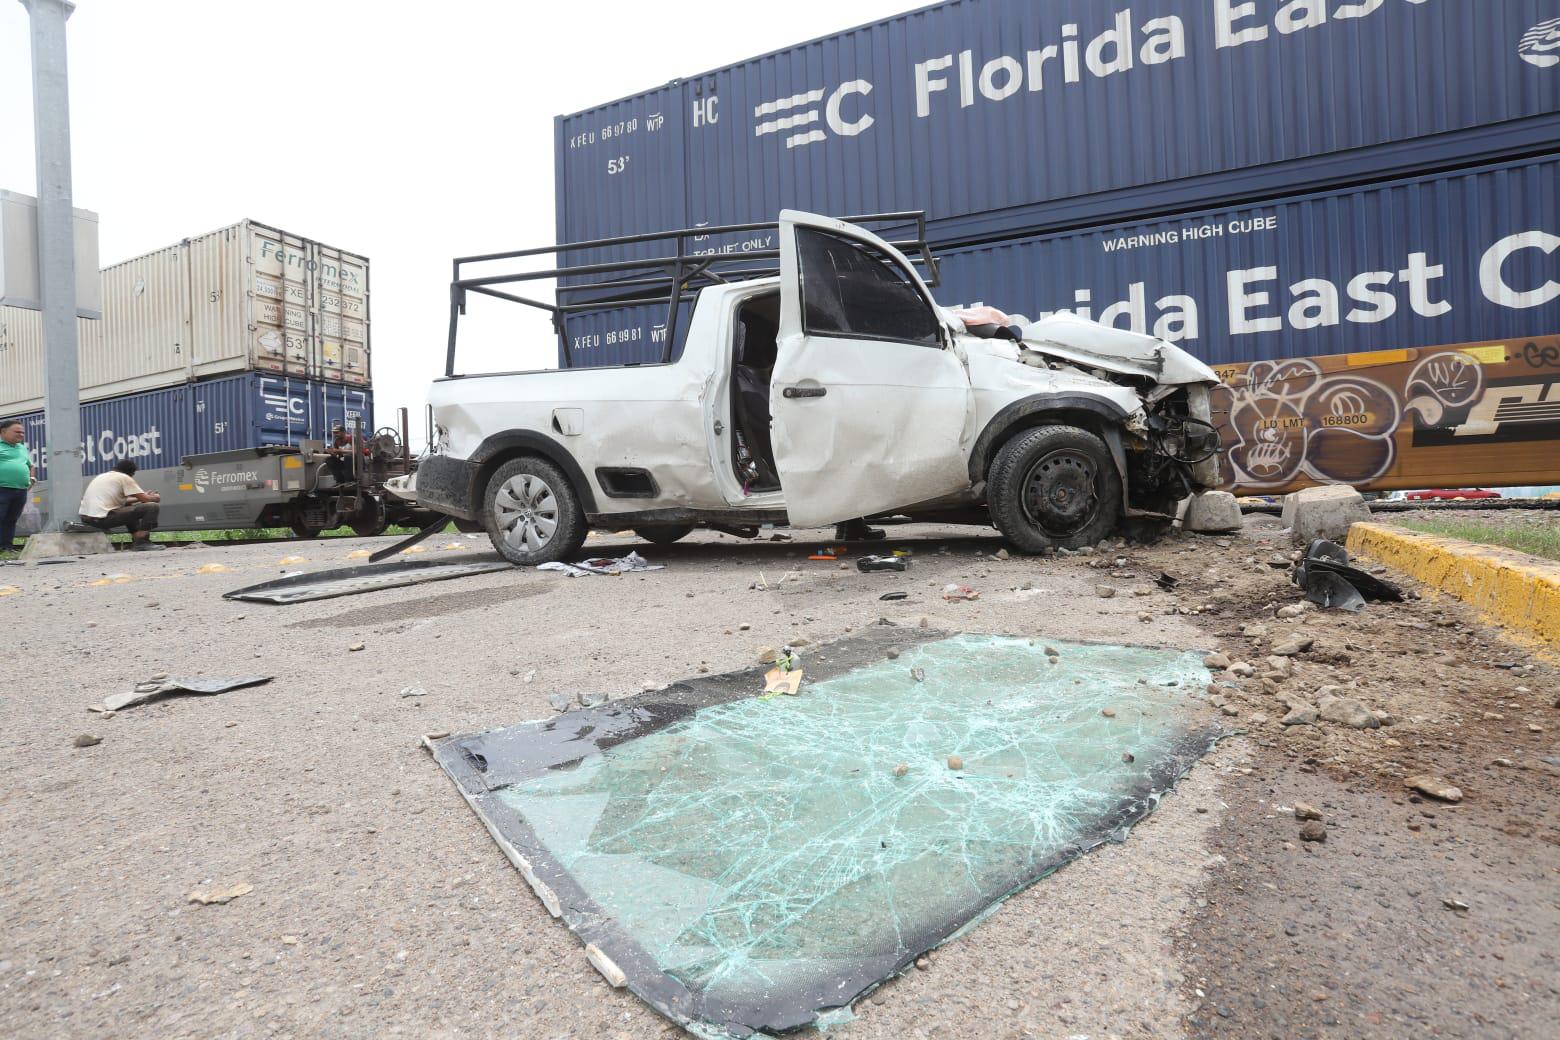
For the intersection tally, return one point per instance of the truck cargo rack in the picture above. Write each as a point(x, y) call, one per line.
point(663, 279)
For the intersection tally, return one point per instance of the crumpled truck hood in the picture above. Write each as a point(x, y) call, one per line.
point(1089, 344)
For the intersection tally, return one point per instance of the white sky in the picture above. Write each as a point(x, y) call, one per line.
point(411, 131)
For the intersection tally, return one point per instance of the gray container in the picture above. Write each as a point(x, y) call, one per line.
point(248, 297)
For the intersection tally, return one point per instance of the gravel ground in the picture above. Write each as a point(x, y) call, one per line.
point(381, 907)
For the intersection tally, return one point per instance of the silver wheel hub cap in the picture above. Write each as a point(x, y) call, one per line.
point(527, 512)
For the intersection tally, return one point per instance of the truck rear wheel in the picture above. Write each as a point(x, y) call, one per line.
point(1054, 487)
point(531, 513)
point(664, 534)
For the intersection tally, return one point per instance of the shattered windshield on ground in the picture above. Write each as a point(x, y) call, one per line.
point(750, 863)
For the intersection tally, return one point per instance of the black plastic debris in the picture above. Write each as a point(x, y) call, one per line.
point(1166, 582)
point(1329, 581)
point(349, 581)
point(870, 564)
point(894, 596)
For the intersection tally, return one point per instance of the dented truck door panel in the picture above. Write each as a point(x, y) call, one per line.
point(871, 407)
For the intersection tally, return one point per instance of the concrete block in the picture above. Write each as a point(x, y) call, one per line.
point(52, 544)
point(1324, 512)
point(1211, 512)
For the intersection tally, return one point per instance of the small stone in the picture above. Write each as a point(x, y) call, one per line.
point(1280, 667)
point(229, 724)
point(1259, 719)
point(592, 699)
point(1127, 756)
point(1456, 904)
point(893, 653)
point(1292, 645)
point(1242, 670)
point(1109, 713)
point(289, 940)
point(901, 769)
point(1051, 651)
point(1216, 662)
point(924, 963)
point(1435, 787)
point(1307, 812)
point(355, 647)
point(1229, 710)
point(413, 691)
point(1104, 591)
point(744, 627)
point(1345, 711)
point(87, 740)
point(1145, 617)
point(767, 654)
point(559, 701)
point(918, 674)
point(159, 676)
point(1314, 830)
point(1002, 554)
point(1254, 631)
point(1300, 714)
point(955, 762)
point(923, 623)
point(1294, 610)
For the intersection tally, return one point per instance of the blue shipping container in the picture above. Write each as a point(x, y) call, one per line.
point(1004, 117)
point(157, 428)
point(1460, 257)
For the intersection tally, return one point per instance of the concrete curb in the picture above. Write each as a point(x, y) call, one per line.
point(1515, 590)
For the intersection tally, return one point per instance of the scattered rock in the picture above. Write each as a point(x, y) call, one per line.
point(1300, 714)
point(1291, 645)
point(1313, 830)
point(1212, 512)
point(208, 896)
point(744, 627)
point(1002, 554)
point(1254, 631)
point(1109, 713)
point(1127, 756)
point(1242, 670)
point(1345, 711)
point(1293, 610)
point(1455, 904)
point(355, 647)
point(559, 701)
point(893, 653)
point(1104, 591)
point(86, 740)
point(1280, 667)
point(1323, 512)
point(767, 654)
point(918, 674)
point(413, 691)
point(901, 769)
point(1307, 812)
point(955, 762)
point(1435, 787)
point(1217, 662)
point(1145, 617)
point(1259, 719)
point(592, 699)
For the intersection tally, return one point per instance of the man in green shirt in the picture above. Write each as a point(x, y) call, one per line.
point(16, 476)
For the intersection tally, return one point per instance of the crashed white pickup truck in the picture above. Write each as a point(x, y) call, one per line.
point(828, 389)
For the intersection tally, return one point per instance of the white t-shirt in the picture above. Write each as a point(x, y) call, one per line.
point(107, 492)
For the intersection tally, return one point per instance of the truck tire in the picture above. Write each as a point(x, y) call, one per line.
point(1054, 487)
point(664, 534)
point(531, 513)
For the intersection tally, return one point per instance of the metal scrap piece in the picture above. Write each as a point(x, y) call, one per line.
point(145, 691)
point(350, 581)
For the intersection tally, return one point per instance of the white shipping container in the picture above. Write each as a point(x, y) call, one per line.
point(247, 297)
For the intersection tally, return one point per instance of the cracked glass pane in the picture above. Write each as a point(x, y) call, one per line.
point(749, 863)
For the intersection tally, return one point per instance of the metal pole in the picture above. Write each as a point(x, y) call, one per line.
point(56, 257)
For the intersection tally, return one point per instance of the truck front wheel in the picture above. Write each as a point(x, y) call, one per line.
point(1054, 487)
point(531, 513)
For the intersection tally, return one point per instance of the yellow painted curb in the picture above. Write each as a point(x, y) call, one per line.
point(1513, 589)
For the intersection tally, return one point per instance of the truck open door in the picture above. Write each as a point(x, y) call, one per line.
point(871, 406)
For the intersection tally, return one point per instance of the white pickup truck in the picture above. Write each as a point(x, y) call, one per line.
point(828, 389)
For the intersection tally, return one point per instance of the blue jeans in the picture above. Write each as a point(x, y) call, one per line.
point(12, 500)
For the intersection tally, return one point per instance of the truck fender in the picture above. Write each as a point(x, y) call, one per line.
point(1064, 408)
point(509, 443)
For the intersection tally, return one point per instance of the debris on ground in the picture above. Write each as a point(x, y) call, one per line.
point(1329, 581)
point(1434, 787)
point(592, 699)
point(86, 740)
point(559, 701)
point(918, 674)
point(631, 564)
point(952, 592)
point(1307, 812)
point(413, 691)
point(780, 680)
point(1313, 830)
point(350, 581)
point(871, 564)
point(955, 762)
point(355, 647)
point(894, 596)
point(162, 686)
point(1104, 591)
point(218, 895)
